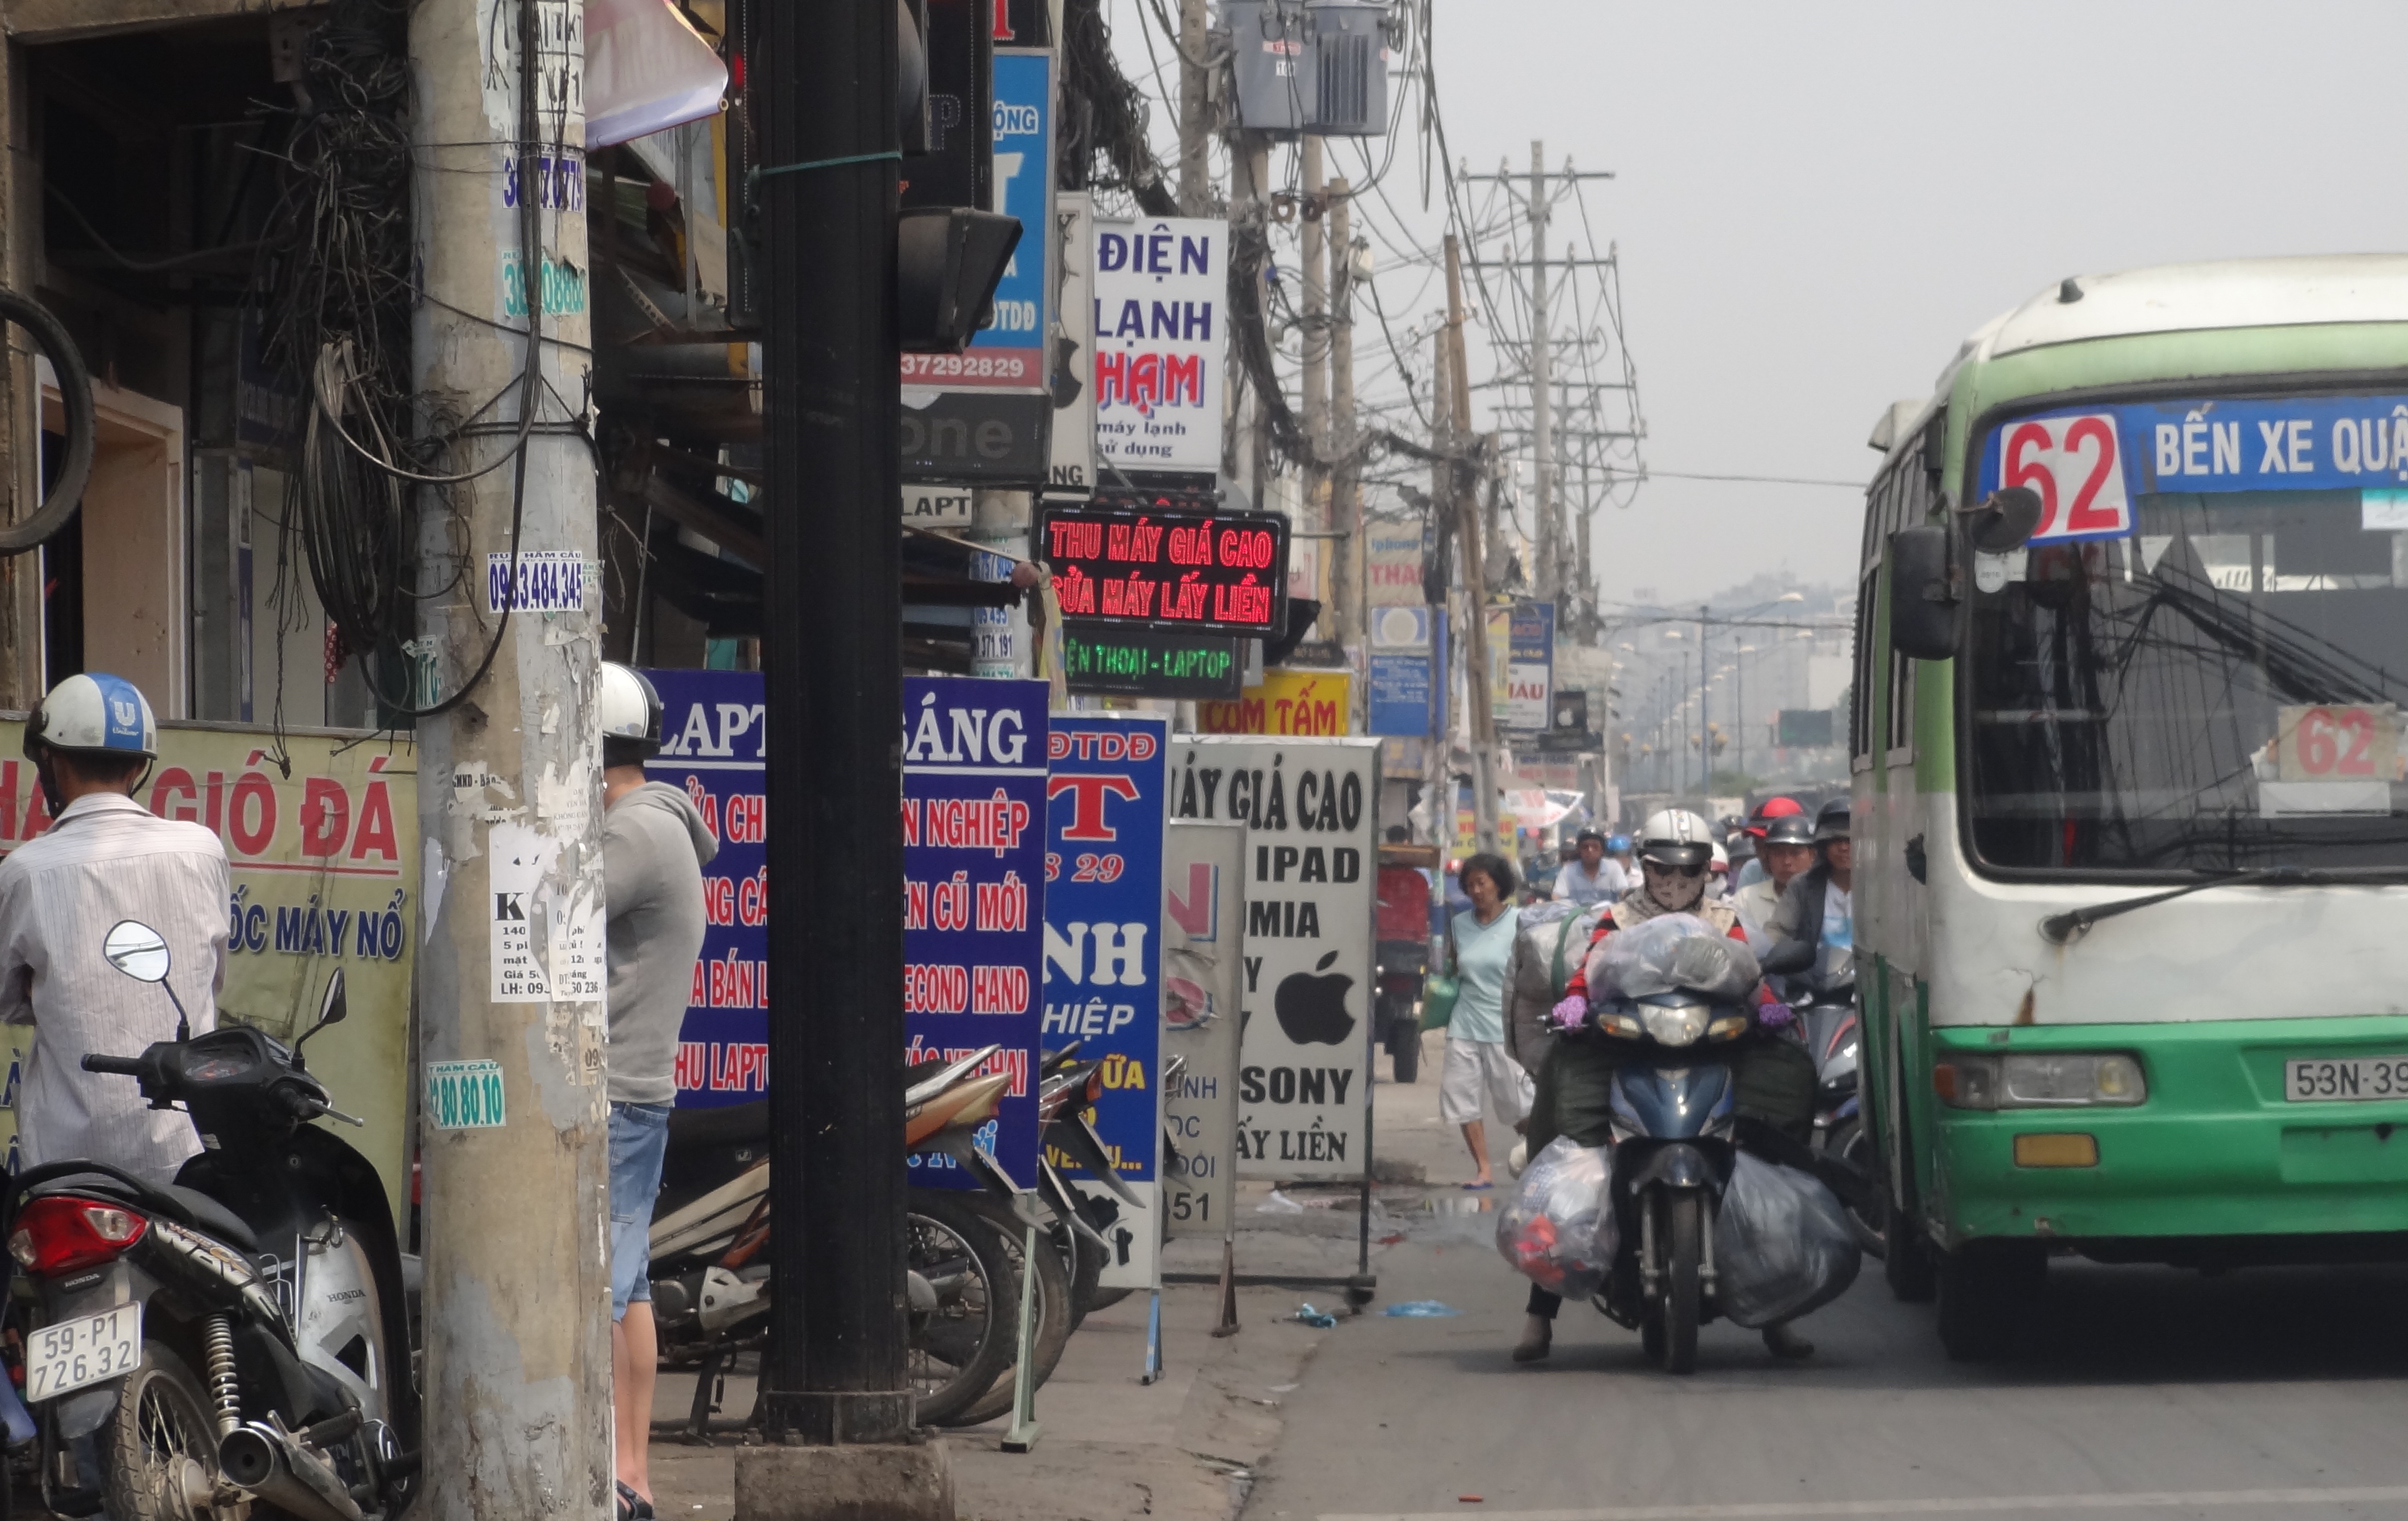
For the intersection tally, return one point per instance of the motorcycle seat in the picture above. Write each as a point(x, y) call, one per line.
point(187, 1206)
point(719, 1126)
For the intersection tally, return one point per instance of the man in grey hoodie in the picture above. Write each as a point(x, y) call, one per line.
point(655, 846)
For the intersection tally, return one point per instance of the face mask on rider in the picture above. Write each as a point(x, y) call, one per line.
point(1675, 889)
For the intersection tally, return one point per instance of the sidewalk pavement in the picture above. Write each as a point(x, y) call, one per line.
point(1187, 1447)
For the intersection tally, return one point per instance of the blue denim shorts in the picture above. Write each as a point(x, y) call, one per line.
point(639, 1136)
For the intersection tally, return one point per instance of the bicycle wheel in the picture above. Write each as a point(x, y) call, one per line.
point(962, 1327)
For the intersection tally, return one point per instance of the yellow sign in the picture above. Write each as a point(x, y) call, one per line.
point(321, 835)
point(1293, 704)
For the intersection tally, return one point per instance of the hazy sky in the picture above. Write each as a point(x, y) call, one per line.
point(1816, 204)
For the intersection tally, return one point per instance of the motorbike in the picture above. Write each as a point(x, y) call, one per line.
point(1674, 1144)
point(238, 1336)
point(1402, 964)
point(1828, 1023)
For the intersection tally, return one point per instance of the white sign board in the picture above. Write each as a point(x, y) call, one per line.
point(1072, 470)
point(1161, 340)
point(936, 506)
point(1203, 937)
point(1312, 816)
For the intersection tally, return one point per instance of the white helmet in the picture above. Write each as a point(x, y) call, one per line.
point(95, 714)
point(631, 714)
point(1676, 837)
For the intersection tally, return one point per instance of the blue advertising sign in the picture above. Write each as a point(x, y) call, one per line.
point(974, 894)
point(2088, 463)
point(1103, 917)
point(715, 735)
point(1024, 179)
point(1404, 702)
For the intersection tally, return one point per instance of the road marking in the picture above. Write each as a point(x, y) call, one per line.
point(1966, 1505)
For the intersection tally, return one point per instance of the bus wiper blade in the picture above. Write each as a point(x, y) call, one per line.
point(2059, 928)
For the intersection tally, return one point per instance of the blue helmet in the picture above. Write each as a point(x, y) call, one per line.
point(1617, 843)
point(94, 714)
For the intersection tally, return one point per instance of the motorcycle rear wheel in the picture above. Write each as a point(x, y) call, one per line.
point(162, 1422)
point(1405, 1051)
point(1053, 1319)
point(1685, 1221)
point(1849, 1143)
point(957, 1350)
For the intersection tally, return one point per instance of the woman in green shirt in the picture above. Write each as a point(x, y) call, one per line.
point(1477, 1065)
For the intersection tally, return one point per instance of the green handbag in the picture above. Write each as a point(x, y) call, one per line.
point(1438, 1001)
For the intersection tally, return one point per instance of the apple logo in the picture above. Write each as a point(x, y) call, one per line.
point(1313, 1009)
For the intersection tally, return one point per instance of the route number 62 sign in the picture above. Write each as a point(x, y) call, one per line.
point(2076, 465)
point(2336, 741)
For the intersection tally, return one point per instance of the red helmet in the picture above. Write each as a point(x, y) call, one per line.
point(1772, 808)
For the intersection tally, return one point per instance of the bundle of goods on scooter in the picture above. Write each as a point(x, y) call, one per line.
point(1783, 1246)
point(1672, 952)
point(1559, 1232)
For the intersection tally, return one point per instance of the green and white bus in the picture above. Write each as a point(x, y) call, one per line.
point(2131, 916)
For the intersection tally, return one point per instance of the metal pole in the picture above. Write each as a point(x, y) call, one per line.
point(1314, 258)
point(1195, 168)
point(1550, 569)
point(1345, 476)
point(832, 620)
point(1475, 581)
point(1250, 179)
point(1705, 728)
point(517, 1371)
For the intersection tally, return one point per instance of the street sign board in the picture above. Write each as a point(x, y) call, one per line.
point(1203, 938)
point(1160, 343)
point(1103, 947)
point(1312, 815)
point(1188, 568)
point(974, 894)
point(1150, 663)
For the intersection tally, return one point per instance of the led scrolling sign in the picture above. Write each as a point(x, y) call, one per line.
point(1168, 568)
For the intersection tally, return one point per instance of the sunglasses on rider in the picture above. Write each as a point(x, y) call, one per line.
point(1676, 870)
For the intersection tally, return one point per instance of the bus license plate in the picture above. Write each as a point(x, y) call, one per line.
point(2345, 1079)
point(66, 1357)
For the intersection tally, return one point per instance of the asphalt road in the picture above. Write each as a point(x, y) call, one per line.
point(2260, 1393)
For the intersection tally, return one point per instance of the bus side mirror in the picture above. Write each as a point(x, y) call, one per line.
point(2006, 522)
point(1923, 600)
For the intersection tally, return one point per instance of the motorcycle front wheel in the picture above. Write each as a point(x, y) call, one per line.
point(158, 1452)
point(1685, 1238)
point(958, 1347)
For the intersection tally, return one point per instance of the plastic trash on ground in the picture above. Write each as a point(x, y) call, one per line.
point(1307, 1315)
point(1557, 1232)
point(1420, 1309)
point(1783, 1245)
point(1672, 951)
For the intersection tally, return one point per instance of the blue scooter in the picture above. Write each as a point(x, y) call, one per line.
point(1674, 1121)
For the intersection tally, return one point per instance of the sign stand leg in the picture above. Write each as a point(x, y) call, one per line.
point(1022, 1437)
point(1228, 1325)
point(1153, 1340)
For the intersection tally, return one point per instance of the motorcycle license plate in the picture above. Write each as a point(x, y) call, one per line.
point(66, 1357)
point(2345, 1079)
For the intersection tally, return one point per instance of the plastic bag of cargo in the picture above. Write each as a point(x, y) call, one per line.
point(1558, 1232)
point(1781, 1245)
point(1668, 952)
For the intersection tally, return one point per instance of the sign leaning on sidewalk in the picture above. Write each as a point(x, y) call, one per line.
point(974, 895)
point(1203, 935)
point(1103, 950)
point(1310, 807)
point(714, 734)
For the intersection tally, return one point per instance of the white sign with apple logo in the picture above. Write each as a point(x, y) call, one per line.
point(1311, 809)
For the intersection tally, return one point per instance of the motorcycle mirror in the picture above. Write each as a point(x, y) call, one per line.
point(330, 1011)
point(136, 950)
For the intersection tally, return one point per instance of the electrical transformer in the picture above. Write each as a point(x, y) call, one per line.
point(1316, 66)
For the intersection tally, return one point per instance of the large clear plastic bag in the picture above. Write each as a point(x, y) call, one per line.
point(1669, 953)
point(1559, 1232)
point(1783, 1245)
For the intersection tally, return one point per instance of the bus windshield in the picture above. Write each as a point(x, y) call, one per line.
point(2214, 682)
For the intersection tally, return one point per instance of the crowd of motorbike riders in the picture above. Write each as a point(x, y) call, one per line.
point(1788, 903)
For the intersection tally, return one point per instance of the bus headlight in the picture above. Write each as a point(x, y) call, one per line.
point(2038, 1079)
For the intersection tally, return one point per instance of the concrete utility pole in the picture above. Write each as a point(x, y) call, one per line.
point(1195, 111)
point(1705, 712)
point(1475, 581)
point(1250, 189)
point(1316, 346)
point(1550, 569)
point(517, 1374)
point(1345, 468)
point(1437, 783)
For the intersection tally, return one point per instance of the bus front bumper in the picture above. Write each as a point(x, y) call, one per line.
point(2215, 1151)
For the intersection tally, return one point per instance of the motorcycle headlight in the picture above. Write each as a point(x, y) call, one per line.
point(2040, 1080)
point(1676, 1025)
point(1727, 1027)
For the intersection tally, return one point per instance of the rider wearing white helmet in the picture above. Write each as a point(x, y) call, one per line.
point(1772, 1078)
point(654, 845)
point(104, 857)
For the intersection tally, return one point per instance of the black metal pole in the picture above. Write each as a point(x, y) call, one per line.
point(823, 79)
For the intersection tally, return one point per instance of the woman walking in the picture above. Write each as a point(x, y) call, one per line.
point(1477, 1065)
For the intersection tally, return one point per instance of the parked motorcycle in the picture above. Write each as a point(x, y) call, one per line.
point(1675, 1145)
point(237, 1336)
point(1402, 955)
